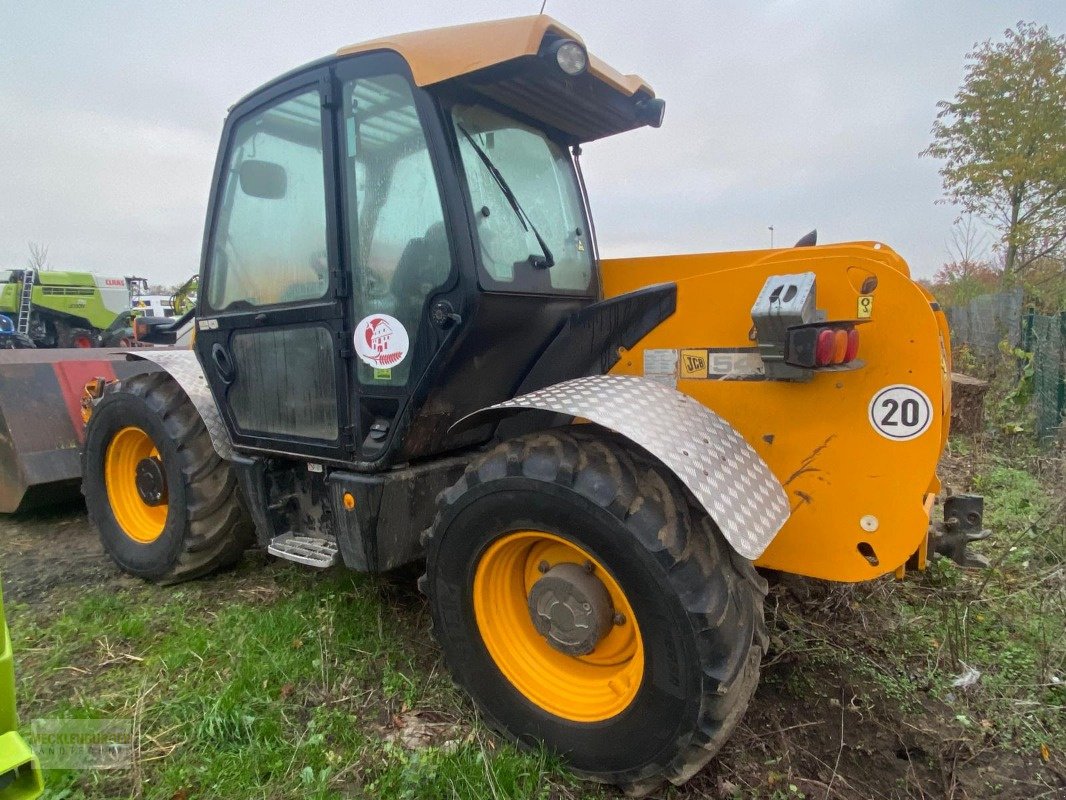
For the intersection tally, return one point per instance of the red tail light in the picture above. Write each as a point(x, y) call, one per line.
point(828, 344)
point(823, 352)
point(853, 345)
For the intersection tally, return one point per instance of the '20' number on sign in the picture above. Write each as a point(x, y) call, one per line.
point(900, 412)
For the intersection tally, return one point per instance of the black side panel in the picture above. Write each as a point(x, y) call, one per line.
point(383, 531)
point(251, 475)
point(484, 364)
point(588, 343)
point(355, 527)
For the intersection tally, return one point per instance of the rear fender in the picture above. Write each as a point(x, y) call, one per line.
point(725, 475)
point(185, 369)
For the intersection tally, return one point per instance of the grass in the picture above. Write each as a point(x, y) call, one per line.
point(298, 687)
point(918, 638)
point(275, 682)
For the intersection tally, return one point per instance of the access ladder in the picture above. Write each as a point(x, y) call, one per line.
point(25, 302)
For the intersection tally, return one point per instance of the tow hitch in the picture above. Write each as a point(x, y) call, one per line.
point(963, 523)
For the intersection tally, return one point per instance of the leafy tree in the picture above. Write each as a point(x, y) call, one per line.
point(958, 282)
point(1003, 142)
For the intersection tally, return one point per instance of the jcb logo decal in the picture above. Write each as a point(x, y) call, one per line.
point(714, 363)
point(693, 363)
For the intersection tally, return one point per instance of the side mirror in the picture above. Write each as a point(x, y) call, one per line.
point(263, 179)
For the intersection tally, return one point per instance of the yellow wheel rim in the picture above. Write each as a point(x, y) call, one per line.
point(587, 688)
point(140, 521)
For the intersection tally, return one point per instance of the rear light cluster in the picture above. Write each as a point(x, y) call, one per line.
point(822, 345)
point(836, 346)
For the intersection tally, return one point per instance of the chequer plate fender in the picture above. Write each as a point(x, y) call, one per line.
point(728, 478)
point(183, 367)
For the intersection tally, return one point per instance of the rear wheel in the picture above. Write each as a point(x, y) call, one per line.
point(165, 503)
point(583, 600)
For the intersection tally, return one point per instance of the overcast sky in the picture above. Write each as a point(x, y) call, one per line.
point(791, 114)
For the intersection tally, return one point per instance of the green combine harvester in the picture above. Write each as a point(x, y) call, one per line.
point(50, 308)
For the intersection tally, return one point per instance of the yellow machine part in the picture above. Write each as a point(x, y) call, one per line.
point(589, 688)
point(860, 501)
point(442, 53)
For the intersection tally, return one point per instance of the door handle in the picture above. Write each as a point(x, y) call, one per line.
point(260, 318)
point(224, 366)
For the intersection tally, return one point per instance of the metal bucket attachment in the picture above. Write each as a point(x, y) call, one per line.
point(41, 428)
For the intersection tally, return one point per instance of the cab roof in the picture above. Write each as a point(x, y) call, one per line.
point(500, 60)
point(440, 54)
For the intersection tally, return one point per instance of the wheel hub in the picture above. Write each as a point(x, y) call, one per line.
point(571, 608)
point(151, 484)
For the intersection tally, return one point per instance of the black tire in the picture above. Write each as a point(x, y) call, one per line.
point(698, 604)
point(207, 527)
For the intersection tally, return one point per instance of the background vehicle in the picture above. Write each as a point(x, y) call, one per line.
point(401, 318)
point(63, 309)
point(131, 328)
point(154, 305)
point(20, 774)
point(11, 339)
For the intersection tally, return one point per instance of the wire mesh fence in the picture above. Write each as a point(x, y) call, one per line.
point(1044, 335)
point(986, 321)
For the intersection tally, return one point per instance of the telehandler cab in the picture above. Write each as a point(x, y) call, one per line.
point(408, 348)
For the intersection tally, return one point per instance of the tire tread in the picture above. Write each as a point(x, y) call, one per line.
point(721, 592)
point(218, 528)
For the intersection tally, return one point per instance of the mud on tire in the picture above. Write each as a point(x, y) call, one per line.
point(699, 606)
point(206, 527)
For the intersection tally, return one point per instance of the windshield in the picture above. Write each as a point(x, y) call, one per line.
point(539, 173)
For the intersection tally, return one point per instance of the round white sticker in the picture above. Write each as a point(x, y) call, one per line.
point(901, 412)
point(381, 341)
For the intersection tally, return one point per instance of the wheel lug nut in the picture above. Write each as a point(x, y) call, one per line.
point(588, 567)
point(619, 619)
point(544, 566)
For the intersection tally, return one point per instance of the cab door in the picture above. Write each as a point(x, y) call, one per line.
point(272, 312)
point(406, 265)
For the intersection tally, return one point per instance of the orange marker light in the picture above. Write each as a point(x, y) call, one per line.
point(840, 345)
point(349, 501)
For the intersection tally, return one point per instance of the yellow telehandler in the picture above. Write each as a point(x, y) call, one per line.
point(407, 347)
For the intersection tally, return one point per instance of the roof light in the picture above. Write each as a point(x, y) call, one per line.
point(570, 56)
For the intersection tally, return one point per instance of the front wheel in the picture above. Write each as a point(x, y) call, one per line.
point(165, 503)
point(583, 600)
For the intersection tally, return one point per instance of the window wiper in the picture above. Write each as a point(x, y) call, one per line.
point(542, 262)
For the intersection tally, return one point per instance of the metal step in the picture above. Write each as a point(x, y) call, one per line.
point(307, 550)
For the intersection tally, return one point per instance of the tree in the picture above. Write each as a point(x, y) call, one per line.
point(38, 256)
point(1003, 142)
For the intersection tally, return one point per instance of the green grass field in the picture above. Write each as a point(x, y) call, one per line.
point(272, 681)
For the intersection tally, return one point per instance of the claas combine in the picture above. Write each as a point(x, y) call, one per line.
point(408, 348)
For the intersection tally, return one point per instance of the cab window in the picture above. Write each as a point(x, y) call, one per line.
point(269, 242)
point(538, 172)
point(397, 238)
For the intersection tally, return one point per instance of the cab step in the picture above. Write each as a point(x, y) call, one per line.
point(309, 550)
